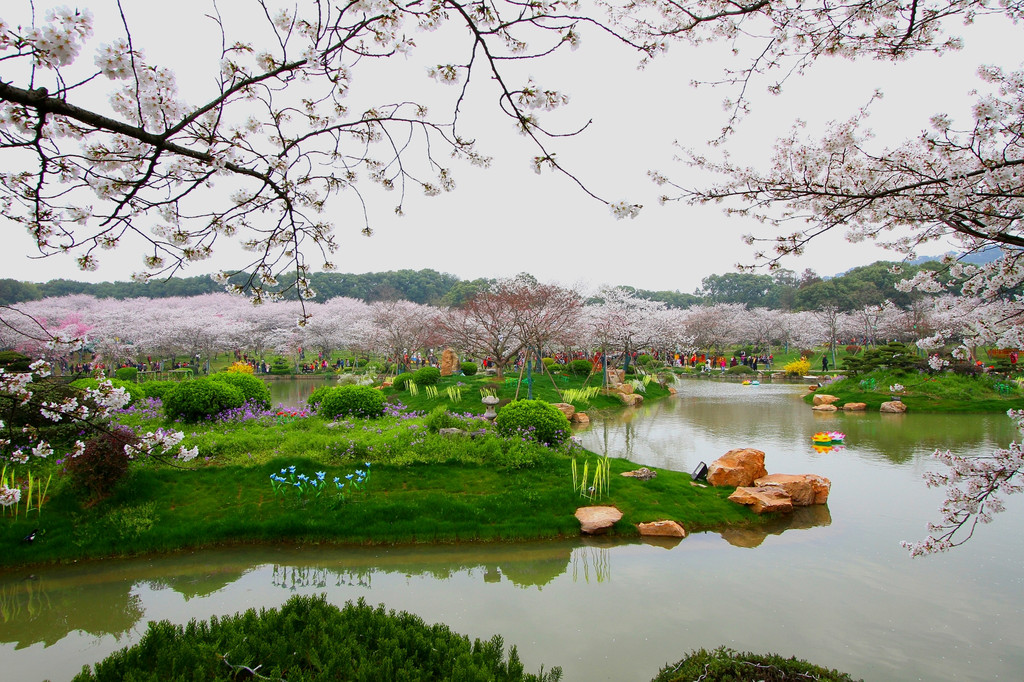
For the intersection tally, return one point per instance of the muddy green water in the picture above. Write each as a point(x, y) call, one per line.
point(828, 584)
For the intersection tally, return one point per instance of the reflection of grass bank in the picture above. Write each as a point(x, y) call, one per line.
point(943, 392)
point(423, 487)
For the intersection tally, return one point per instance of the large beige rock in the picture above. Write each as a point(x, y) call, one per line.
point(631, 399)
point(567, 409)
point(824, 399)
point(597, 520)
point(449, 363)
point(625, 389)
point(669, 529)
point(763, 499)
point(893, 407)
point(855, 407)
point(739, 467)
point(580, 418)
point(803, 489)
point(825, 408)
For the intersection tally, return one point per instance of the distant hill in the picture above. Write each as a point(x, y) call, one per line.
point(986, 255)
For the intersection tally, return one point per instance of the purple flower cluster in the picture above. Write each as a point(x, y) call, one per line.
point(252, 412)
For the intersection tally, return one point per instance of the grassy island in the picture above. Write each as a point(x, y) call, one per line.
point(276, 475)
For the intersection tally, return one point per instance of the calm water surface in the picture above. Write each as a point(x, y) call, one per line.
point(828, 584)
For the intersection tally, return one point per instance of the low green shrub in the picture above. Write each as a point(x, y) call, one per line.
point(13, 361)
point(740, 369)
point(135, 391)
point(548, 361)
point(127, 373)
point(352, 401)
point(726, 665)
point(440, 418)
point(468, 368)
point(580, 368)
point(426, 376)
point(279, 366)
point(197, 399)
point(400, 382)
point(102, 464)
point(254, 390)
point(536, 419)
point(315, 398)
point(310, 639)
point(157, 389)
point(645, 360)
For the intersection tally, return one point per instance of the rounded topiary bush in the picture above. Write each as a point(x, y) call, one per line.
point(426, 376)
point(536, 419)
point(401, 382)
point(726, 664)
point(740, 369)
point(580, 367)
point(352, 401)
point(103, 462)
point(197, 399)
point(468, 368)
point(127, 373)
point(254, 390)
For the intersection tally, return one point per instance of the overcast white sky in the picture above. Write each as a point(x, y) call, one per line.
point(506, 219)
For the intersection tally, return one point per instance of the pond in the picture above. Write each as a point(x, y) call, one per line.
point(831, 585)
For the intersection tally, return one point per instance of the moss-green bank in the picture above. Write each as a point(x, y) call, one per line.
point(944, 392)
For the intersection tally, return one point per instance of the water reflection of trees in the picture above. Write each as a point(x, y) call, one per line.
point(32, 610)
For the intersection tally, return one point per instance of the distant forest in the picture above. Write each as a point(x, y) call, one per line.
point(783, 289)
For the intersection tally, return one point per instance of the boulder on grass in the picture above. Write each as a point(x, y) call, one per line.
point(855, 407)
point(568, 409)
point(631, 399)
point(893, 407)
point(669, 529)
point(763, 499)
point(449, 363)
point(597, 520)
point(641, 474)
point(803, 489)
point(736, 468)
point(824, 399)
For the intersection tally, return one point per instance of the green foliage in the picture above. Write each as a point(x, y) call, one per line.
point(727, 665)
point(310, 639)
point(317, 396)
point(548, 361)
point(536, 419)
point(13, 361)
point(426, 376)
point(580, 368)
point(893, 356)
point(102, 464)
point(743, 369)
point(127, 374)
point(279, 366)
point(254, 390)
point(401, 381)
point(468, 368)
point(134, 390)
point(440, 418)
point(197, 399)
point(352, 401)
point(157, 389)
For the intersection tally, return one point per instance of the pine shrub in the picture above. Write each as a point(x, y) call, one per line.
point(309, 639)
point(536, 419)
point(726, 665)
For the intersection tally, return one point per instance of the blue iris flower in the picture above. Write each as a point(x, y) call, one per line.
point(320, 475)
point(349, 476)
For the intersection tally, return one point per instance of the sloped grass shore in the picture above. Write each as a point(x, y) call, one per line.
point(943, 392)
point(420, 487)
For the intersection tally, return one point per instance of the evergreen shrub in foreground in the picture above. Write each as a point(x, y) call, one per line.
point(194, 400)
point(352, 401)
point(726, 665)
point(540, 420)
point(309, 639)
point(400, 382)
point(580, 368)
